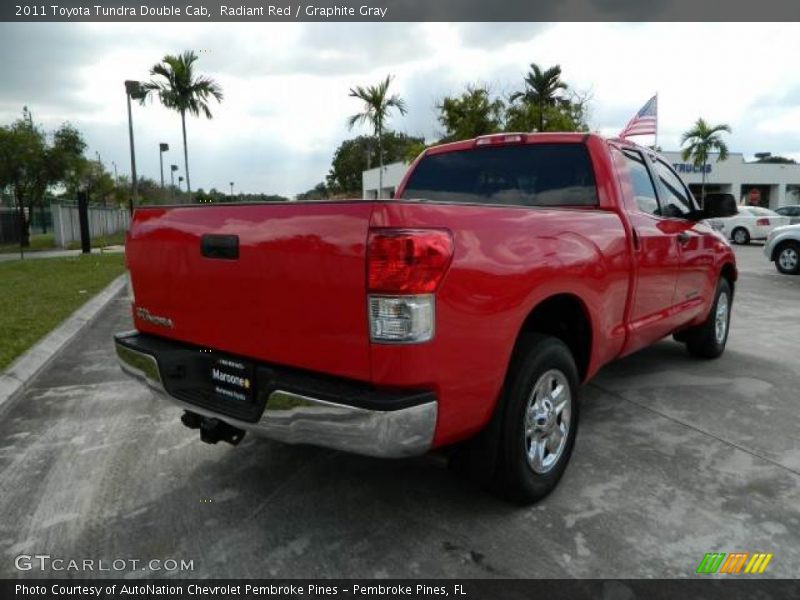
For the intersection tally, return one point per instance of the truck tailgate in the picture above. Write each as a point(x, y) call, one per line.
point(294, 295)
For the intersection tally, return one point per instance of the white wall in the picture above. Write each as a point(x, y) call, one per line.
point(102, 221)
point(392, 176)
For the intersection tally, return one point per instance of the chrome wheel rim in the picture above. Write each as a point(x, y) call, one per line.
point(721, 318)
point(739, 237)
point(788, 259)
point(547, 421)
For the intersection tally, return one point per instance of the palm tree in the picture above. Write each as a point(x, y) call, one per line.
point(182, 90)
point(377, 104)
point(703, 139)
point(542, 89)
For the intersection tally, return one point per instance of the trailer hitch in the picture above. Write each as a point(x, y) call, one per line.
point(212, 430)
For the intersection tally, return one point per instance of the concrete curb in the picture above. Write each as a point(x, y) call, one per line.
point(19, 374)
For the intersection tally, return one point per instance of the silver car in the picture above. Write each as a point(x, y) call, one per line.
point(783, 248)
point(792, 211)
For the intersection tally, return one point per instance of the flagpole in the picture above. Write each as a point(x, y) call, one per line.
point(655, 144)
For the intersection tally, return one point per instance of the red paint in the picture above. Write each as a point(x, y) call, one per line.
point(297, 294)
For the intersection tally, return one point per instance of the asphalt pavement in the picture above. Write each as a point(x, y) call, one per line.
point(675, 458)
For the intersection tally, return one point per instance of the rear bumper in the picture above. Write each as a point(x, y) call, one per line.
point(292, 406)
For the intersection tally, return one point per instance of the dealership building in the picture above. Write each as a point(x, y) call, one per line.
point(767, 184)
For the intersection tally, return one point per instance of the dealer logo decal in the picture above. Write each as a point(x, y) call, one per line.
point(734, 563)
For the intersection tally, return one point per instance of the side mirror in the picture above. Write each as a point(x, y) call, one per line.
point(719, 206)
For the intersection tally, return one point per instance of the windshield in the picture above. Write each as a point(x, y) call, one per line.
point(525, 175)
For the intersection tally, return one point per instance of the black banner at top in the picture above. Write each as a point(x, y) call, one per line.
point(397, 10)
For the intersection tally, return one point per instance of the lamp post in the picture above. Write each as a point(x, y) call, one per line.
point(162, 147)
point(133, 89)
point(231, 190)
point(172, 170)
point(116, 179)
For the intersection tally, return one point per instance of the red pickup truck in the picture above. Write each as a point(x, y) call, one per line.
point(464, 313)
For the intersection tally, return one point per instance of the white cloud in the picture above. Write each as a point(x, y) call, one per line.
point(286, 85)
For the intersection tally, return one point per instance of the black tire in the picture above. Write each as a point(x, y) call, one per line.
point(787, 258)
point(741, 236)
point(495, 459)
point(704, 341)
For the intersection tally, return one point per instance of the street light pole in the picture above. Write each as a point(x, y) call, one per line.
point(172, 170)
point(116, 179)
point(231, 190)
point(133, 89)
point(162, 147)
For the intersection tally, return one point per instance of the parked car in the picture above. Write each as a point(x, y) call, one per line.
point(750, 223)
point(783, 248)
point(792, 211)
point(463, 314)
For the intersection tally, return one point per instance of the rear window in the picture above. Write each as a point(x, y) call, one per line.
point(524, 175)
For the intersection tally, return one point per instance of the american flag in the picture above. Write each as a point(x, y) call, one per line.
point(645, 122)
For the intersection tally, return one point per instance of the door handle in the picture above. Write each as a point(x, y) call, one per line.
point(683, 237)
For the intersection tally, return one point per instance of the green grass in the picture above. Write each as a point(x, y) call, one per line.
point(45, 241)
point(36, 295)
point(39, 242)
point(115, 239)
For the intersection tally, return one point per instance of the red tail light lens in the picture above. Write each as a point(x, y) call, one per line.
point(407, 261)
point(762, 222)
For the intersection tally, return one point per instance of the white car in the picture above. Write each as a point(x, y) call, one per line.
point(752, 223)
point(783, 248)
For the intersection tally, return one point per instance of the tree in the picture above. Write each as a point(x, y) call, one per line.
point(377, 106)
point(471, 114)
point(703, 139)
point(569, 114)
point(542, 90)
point(354, 156)
point(776, 160)
point(180, 89)
point(29, 166)
point(318, 192)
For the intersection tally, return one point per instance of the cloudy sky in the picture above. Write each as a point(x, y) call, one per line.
point(286, 85)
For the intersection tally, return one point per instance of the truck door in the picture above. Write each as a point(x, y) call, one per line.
point(696, 275)
point(656, 253)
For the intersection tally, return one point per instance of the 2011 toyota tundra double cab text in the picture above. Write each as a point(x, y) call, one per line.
point(464, 313)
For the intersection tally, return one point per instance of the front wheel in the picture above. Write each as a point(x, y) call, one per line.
point(787, 258)
point(540, 418)
point(708, 340)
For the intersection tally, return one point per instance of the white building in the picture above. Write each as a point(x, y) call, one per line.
point(771, 185)
point(392, 176)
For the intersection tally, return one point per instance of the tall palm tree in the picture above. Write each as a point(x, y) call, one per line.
point(542, 89)
point(377, 104)
point(704, 139)
point(180, 89)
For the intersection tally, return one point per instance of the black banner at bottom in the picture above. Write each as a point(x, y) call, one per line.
point(428, 589)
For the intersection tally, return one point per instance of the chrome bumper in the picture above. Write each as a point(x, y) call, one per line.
point(297, 419)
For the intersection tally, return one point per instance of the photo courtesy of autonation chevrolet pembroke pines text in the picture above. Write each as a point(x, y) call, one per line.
point(379, 299)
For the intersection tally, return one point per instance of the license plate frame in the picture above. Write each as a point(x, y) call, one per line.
point(231, 380)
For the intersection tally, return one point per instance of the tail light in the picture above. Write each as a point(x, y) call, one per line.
point(407, 261)
point(404, 269)
point(762, 222)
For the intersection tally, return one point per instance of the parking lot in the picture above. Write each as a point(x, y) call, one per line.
point(675, 458)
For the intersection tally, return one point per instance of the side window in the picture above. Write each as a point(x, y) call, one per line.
point(643, 189)
point(674, 198)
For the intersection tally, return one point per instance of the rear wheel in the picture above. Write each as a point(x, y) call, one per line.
point(787, 258)
point(524, 451)
point(708, 340)
point(540, 419)
point(740, 235)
